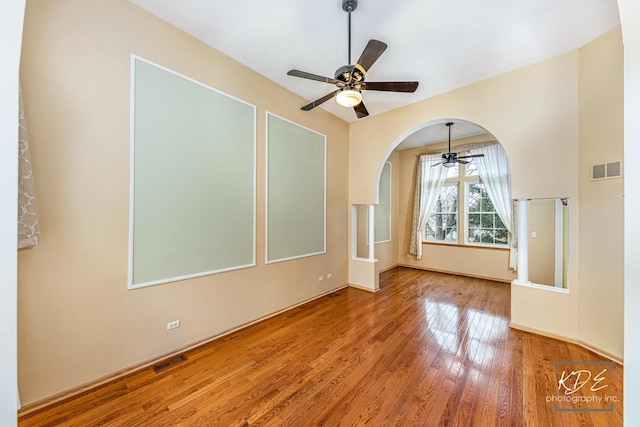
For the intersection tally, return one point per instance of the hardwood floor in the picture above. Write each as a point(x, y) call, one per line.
point(428, 349)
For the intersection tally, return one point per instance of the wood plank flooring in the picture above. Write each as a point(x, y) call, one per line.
point(428, 349)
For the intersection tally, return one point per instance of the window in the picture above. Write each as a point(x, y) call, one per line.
point(464, 192)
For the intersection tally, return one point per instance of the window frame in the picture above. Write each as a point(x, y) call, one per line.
point(462, 181)
point(468, 212)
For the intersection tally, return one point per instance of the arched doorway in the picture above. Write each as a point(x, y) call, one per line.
point(467, 235)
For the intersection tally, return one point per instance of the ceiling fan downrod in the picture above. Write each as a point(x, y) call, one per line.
point(349, 6)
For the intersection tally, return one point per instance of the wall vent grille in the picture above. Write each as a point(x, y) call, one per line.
point(606, 171)
point(168, 363)
point(613, 170)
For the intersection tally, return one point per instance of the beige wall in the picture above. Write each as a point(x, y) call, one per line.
point(601, 202)
point(77, 320)
point(532, 112)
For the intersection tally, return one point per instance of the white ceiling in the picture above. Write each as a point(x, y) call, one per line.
point(443, 44)
point(439, 132)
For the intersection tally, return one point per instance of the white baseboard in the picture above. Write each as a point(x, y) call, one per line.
point(583, 344)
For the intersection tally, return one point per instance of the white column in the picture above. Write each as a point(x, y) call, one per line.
point(523, 241)
point(371, 233)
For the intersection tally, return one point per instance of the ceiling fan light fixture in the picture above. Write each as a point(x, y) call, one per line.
point(349, 97)
point(449, 164)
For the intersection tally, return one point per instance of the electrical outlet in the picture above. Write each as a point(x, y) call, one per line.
point(173, 325)
point(320, 279)
point(329, 276)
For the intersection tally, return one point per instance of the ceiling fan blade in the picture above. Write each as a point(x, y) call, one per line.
point(361, 110)
point(319, 101)
point(471, 156)
point(391, 86)
point(436, 164)
point(371, 53)
point(464, 162)
point(305, 75)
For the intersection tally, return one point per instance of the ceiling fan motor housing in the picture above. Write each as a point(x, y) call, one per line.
point(350, 74)
point(349, 5)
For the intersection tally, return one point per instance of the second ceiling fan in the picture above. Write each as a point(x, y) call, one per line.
point(350, 79)
point(449, 159)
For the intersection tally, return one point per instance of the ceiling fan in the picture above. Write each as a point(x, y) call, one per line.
point(450, 159)
point(350, 79)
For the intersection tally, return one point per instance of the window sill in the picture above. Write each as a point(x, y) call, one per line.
point(468, 245)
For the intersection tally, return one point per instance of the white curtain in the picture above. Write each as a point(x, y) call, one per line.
point(429, 180)
point(493, 170)
point(28, 228)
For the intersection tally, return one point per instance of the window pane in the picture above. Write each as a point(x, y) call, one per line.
point(483, 223)
point(474, 201)
point(487, 206)
point(486, 220)
point(471, 169)
point(474, 235)
point(502, 237)
point(442, 227)
point(474, 221)
point(453, 171)
point(443, 221)
point(487, 236)
point(449, 199)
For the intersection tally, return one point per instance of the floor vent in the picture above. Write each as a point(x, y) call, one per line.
point(606, 171)
point(168, 363)
point(333, 295)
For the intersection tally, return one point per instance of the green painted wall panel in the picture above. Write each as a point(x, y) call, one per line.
point(193, 207)
point(382, 211)
point(296, 212)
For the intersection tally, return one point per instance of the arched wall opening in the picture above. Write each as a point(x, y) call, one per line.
point(482, 260)
point(412, 132)
point(532, 111)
